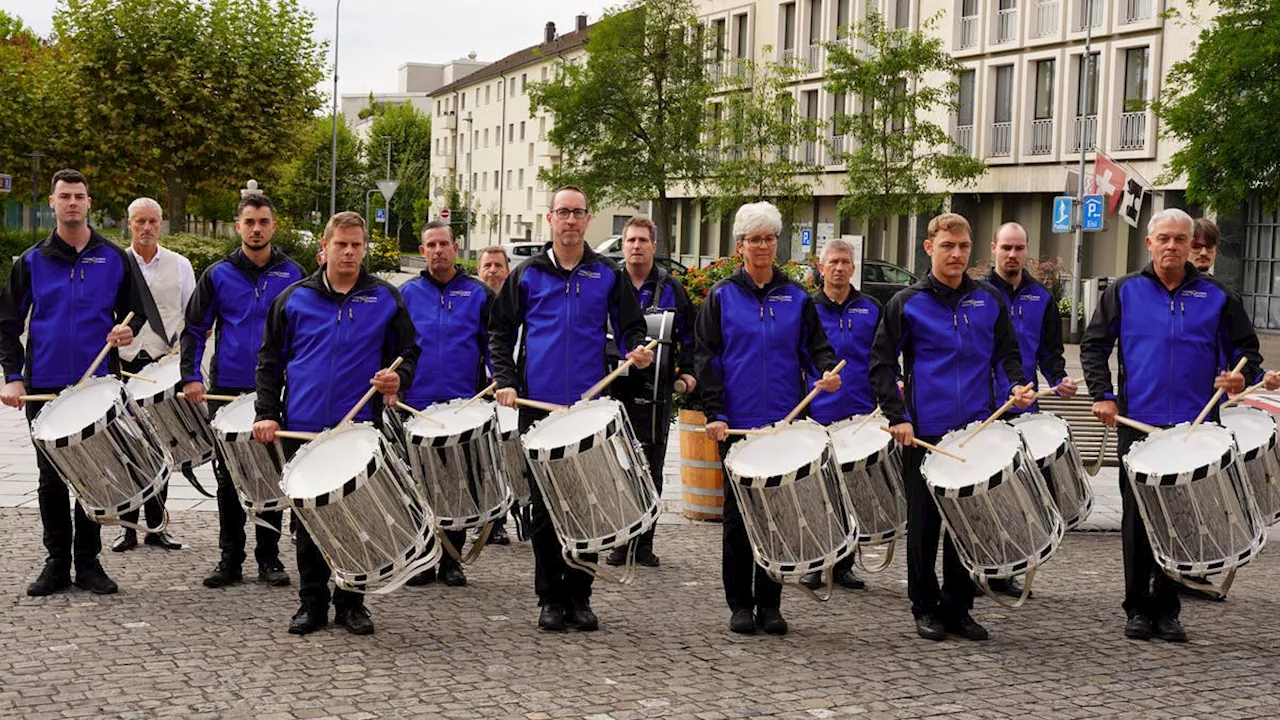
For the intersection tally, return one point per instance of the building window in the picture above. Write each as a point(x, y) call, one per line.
point(511, 133)
point(1041, 142)
point(484, 181)
point(524, 79)
point(496, 183)
point(1086, 121)
point(487, 100)
point(901, 13)
point(486, 137)
point(1006, 21)
point(1002, 120)
point(844, 17)
point(520, 179)
point(463, 97)
point(964, 113)
point(968, 33)
point(1133, 117)
point(740, 36)
point(787, 24)
point(509, 176)
point(721, 28)
point(521, 131)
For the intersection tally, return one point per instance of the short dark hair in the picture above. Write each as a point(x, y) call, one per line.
point(437, 224)
point(1206, 231)
point(67, 175)
point(642, 221)
point(574, 188)
point(256, 200)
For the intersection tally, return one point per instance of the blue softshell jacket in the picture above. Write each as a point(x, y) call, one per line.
point(851, 329)
point(1038, 325)
point(452, 321)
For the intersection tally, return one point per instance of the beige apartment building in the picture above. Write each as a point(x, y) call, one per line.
point(486, 136)
point(415, 83)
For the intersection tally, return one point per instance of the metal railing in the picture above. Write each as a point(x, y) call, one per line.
point(837, 147)
point(1133, 130)
point(1007, 25)
point(968, 36)
point(1136, 11)
point(1093, 10)
point(1001, 139)
point(715, 70)
point(1041, 142)
point(964, 138)
point(1047, 17)
point(1090, 125)
point(787, 57)
point(809, 152)
point(813, 58)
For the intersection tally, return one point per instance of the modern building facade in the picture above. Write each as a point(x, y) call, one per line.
point(416, 83)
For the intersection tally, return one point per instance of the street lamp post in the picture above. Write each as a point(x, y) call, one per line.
point(333, 145)
point(466, 241)
point(1087, 97)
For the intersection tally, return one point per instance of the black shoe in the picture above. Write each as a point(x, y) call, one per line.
point(581, 618)
point(551, 619)
point(1138, 627)
point(308, 619)
point(453, 576)
point(931, 628)
point(94, 579)
point(161, 539)
point(125, 541)
point(966, 627)
point(1168, 628)
point(813, 580)
point(53, 578)
point(356, 620)
point(646, 558)
point(846, 579)
point(223, 574)
point(1011, 587)
point(426, 577)
point(743, 622)
point(499, 536)
point(770, 620)
point(273, 574)
point(617, 556)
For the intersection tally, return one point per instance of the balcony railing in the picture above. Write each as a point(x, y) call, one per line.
point(813, 58)
point(1047, 12)
point(964, 138)
point(1136, 11)
point(1133, 131)
point(968, 36)
point(1089, 124)
point(1041, 137)
point(1007, 25)
point(809, 152)
point(1001, 139)
point(1091, 9)
point(837, 147)
point(715, 70)
point(787, 57)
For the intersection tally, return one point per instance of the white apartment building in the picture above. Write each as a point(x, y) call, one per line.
point(416, 82)
point(485, 134)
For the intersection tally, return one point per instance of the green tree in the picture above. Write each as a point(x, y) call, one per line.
point(33, 112)
point(409, 132)
point(303, 187)
point(1220, 102)
point(891, 150)
point(172, 94)
point(765, 147)
point(628, 117)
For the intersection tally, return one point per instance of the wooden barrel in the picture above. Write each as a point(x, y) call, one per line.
point(701, 477)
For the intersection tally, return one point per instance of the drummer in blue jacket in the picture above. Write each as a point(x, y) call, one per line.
point(327, 334)
point(1175, 328)
point(850, 320)
point(952, 333)
point(557, 307)
point(450, 311)
point(755, 337)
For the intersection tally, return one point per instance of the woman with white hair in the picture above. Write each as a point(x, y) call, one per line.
point(755, 335)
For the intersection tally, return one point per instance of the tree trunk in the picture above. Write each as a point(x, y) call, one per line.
point(177, 201)
point(662, 215)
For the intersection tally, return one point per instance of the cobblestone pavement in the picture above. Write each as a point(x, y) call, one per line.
point(166, 646)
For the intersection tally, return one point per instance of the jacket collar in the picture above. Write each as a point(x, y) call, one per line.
point(460, 273)
point(319, 281)
point(1149, 270)
point(1003, 285)
point(242, 262)
point(821, 298)
point(741, 278)
point(547, 261)
point(55, 246)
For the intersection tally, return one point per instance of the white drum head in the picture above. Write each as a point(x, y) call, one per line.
point(167, 373)
point(1044, 434)
point(1171, 452)
point(324, 464)
point(852, 447)
point(76, 409)
point(582, 420)
point(236, 416)
point(985, 455)
point(1253, 427)
point(451, 420)
point(785, 451)
point(508, 420)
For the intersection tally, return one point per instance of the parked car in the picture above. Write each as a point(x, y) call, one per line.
point(520, 251)
point(610, 245)
point(882, 280)
point(666, 263)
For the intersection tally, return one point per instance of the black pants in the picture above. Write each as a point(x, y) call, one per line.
point(313, 569)
point(553, 579)
point(656, 453)
point(1147, 589)
point(61, 543)
point(746, 585)
point(458, 538)
point(155, 506)
point(924, 525)
point(652, 436)
point(231, 514)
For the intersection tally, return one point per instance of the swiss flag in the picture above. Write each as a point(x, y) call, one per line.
point(1109, 180)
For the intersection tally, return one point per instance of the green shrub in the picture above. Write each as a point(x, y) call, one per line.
point(383, 254)
point(202, 251)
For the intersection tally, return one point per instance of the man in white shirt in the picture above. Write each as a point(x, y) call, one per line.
point(171, 282)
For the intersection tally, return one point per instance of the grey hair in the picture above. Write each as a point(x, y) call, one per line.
point(756, 216)
point(835, 244)
point(144, 202)
point(1172, 214)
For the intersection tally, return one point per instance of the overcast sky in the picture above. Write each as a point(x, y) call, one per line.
point(379, 35)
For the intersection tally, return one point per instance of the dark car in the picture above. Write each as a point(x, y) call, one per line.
point(882, 280)
point(665, 263)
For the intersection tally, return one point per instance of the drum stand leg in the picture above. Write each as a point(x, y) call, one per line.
point(1026, 589)
point(888, 558)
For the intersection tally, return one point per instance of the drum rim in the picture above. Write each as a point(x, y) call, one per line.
point(1183, 477)
point(351, 485)
point(1267, 446)
point(599, 437)
point(879, 455)
point(119, 403)
point(459, 438)
point(813, 467)
point(160, 396)
point(233, 435)
point(982, 485)
point(1049, 458)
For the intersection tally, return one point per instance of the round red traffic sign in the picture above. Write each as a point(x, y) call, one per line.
point(444, 214)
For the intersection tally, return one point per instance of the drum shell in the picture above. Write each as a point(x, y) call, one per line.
point(461, 475)
point(515, 467)
point(182, 426)
point(1064, 474)
point(1261, 467)
point(877, 499)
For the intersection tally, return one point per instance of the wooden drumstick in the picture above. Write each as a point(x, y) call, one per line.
point(930, 446)
point(222, 398)
point(102, 353)
point(999, 411)
point(492, 386)
point(604, 383)
point(680, 387)
point(809, 398)
point(754, 431)
point(539, 405)
point(874, 414)
point(367, 396)
point(1148, 429)
point(37, 398)
point(1247, 391)
point(295, 435)
point(1213, 401)
point(136, 376)
point(419, 413)
point(1054, 389)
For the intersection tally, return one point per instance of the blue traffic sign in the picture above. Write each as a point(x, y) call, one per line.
point(380, 215)
point(1092, 219)
point(806, 237)
point(1062, 214)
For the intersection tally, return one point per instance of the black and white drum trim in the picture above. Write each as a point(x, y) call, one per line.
point(1007, 473)
point(347, 488)
point(165, 395)
point(461, 438)
point(812, 468)
point(1022, 566)
point(364, 582)
point(98, 426)
point(616, 539)
point(1186, 477)
point(583, 445)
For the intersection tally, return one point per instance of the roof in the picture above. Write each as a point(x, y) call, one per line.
point(520, 58)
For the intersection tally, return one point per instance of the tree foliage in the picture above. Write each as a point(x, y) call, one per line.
point(409, 132)
point(303, 187)
point(1222, 103)
point(628, 116)
point(33, 110)
point(892, 151)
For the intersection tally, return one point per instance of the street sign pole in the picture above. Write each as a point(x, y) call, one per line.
point(1077, 260)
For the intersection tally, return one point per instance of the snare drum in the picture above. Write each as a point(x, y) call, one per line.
point(104, 447)
point(995, 505)
point(457, 462)
point(1255, 432)
point(254, 468)
point(1199, 510)
point(367, 517)
point(183, 426)
point(871, 467)
point(593, 478)
point(1052, 447)
point(514, 461)
point(791, 496)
